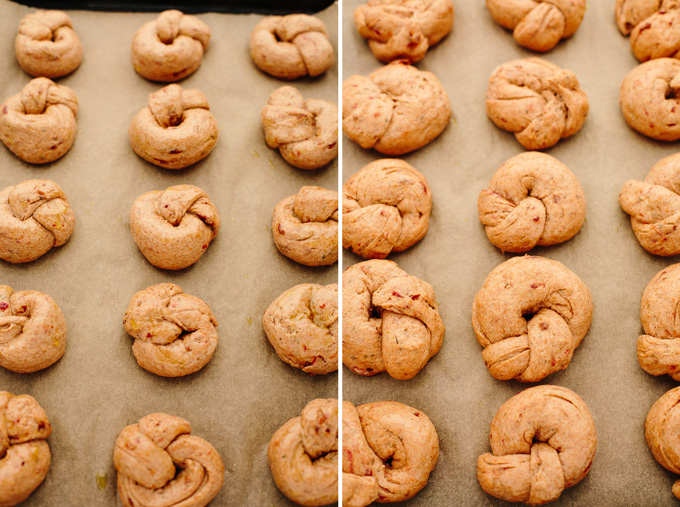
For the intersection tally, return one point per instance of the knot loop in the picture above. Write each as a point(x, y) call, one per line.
point(159, 461)
point(530, 315)
point(24, 454)
point(289, 47)
point(305, 132)
point(650, 101)
point(32, 330)
point(395, 110)
point(176, 130)
point(386, 208)
point(173, 228)
point(403, 29)
point(39, 124)
point(46, 44)
point(391, 320)
point(174, 332)
point(389, 450)
point(303, 455)
point(34, 217)
point(537, 101)
point(658, 349)
point(538, 24)
point(302, 326)
point(533, 199)
point(543, 441)
point(305, 226)
point(170, 47)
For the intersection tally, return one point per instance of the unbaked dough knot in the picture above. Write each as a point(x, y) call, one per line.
point(652, 26)
point(41, 92)
point(159, 462)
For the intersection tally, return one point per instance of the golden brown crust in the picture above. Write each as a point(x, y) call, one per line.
point(391, 320)
point(159, 462)
point(389, 450)
point(530, 315)
point(24, 455)
point(32, 330)
point(176, 130)
point(403, 29)
point(395, 110)
point(46, 44)
point(538, 25)
point(658, 349)
point(661, 433)
point(303, 455)
point(652, 26)
point(305, 226)
point(170, 47)
point(304, 131)
point(654, 207)
point(543, 441)
point(34, 217)
point(38, 125)
point(174, 332)
point(386, 208)
point(537, 101)
point(173, 228)
point(533, 199)
point(293, 46)
point(649, 99)
point(302, 326)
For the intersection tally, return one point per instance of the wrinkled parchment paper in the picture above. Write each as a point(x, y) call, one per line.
point(246, 392)
point(455, 389)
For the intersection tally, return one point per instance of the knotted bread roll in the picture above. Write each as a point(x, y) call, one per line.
point(304, 131)
point(652, 26)
point(174, 227)
point(38, 125)
point(530, 315)
point(650, 99)
point(388, 452)
point(661, 433)
point(543, 441)
point(159, 462)
point(658, 349)
point(24, 454)
point(533, 199)
point(32, 330)
point(305, 226)
point(538, 24)
point(293, 46)
point(302, 326)
point(386, 208)
point(395, 110)
point(537, 101)
point(391, 320)
point(176, 130)
point(303, 455)
point(34, 217)
point(174, 332)
point(46, 44)
point(654, 207)
point(170, 47)
point(403, 28)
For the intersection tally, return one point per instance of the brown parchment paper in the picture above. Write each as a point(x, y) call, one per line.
point(455, 389)
point(246, 392)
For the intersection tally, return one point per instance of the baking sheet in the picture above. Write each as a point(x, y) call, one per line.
point(455, 389)
point(246, 392)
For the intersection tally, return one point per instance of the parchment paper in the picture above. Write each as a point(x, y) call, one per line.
point(246, 392)
point(455, 389)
